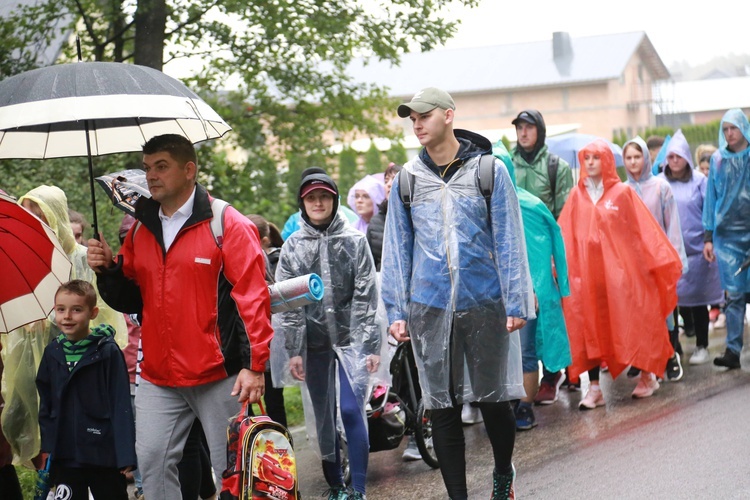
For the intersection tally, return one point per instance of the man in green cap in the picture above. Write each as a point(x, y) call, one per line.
point(456, 284)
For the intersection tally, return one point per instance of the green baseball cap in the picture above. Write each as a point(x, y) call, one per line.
point(426, 100)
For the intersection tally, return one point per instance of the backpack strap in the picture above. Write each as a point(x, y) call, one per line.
point(406, 187)
point(486, 175)
point(217, 221)
point(553, 162)
point(486, 181)
point(218, 207)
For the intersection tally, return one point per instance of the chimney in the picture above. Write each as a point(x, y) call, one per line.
point(561, 46)
point(562, 52)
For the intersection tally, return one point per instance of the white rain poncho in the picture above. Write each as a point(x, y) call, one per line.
point(342, 327)
point(726, 210)
point(658, 197)
point(454, 273)
point(23, 347)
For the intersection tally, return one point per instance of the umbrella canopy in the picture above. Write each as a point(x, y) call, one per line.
point(44, 113)
point(566, 146)
point(125, 188)
point(97, 108)
point(33, 266)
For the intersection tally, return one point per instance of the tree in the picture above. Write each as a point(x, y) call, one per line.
point(373, 160)
point(348, 171)
point(397, 153)
point(286, 61)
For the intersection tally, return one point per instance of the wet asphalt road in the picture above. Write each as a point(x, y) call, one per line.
point(690, 440)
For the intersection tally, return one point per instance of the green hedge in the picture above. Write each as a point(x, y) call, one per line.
point(695, 134)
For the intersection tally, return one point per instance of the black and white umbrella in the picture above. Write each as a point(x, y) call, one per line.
point(97, 108)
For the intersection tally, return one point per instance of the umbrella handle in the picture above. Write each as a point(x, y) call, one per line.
point(91, 180)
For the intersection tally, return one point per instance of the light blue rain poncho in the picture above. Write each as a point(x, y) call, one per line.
point(726, 210)
point(699, 284)
point(546, 250)
point(292, 223)
point(454, 272)
point(657, 194)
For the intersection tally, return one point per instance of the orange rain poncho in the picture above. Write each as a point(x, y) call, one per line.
point(623, 274)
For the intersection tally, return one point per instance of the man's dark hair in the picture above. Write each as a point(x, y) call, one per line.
point(654, 141)
point(176, 145)
point(77, 218)
point(392, 169)
point(80, 288)
point(261, 223)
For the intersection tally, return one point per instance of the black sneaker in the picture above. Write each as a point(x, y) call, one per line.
point(634, 372)
point(730, 360)
point(674, 371)
point(525, 418)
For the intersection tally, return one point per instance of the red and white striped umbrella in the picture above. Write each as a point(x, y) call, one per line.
point(32, 263)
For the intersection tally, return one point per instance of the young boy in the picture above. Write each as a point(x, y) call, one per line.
point(85, 416)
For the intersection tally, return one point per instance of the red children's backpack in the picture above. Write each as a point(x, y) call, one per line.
point(260, 459)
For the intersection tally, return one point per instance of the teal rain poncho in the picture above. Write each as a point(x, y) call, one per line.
point(726, 209)
point(549, 272)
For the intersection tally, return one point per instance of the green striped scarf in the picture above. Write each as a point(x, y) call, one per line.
point(74, 351)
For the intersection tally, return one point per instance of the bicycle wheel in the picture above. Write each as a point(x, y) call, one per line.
point(346, 472)
point(423, 436)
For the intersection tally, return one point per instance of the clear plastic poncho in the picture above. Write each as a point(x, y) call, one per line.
point(454, 273)
point(726, 210)
point(23, 348)
point(341, 329)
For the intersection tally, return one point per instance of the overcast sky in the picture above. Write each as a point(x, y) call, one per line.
point(677, 32)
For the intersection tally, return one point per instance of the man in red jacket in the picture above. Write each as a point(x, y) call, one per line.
point(205, 306)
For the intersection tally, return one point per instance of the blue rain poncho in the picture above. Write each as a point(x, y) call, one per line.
point(454, 278)
point(657, 194)
point(549, 272)
point(726, 210)
point(699, 284)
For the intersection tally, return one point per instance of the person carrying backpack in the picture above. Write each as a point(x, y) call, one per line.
point(548, 177)
point(456, 283)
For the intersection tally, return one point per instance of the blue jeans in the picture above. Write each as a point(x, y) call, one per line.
point(735, 312)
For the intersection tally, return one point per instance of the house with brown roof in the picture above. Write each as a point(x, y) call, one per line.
point(597, 85)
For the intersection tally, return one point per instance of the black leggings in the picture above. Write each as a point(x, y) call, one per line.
point(195, 472)
point(450, 447)
point(696, 318)
point(674, 335)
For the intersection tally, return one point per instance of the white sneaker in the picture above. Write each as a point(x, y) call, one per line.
point(411, 452)
point(721, 321)
point(471, 415)
point(700, 356)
